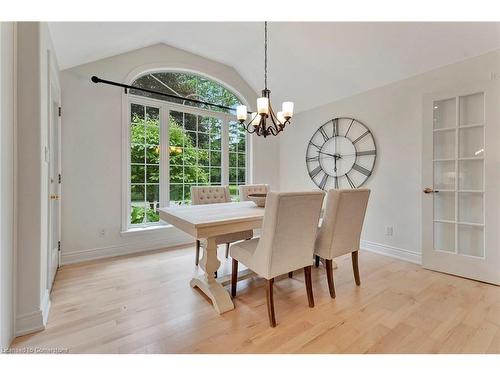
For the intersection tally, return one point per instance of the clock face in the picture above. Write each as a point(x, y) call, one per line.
point(341, 154)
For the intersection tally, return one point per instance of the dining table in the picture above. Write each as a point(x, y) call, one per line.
point(205, 222)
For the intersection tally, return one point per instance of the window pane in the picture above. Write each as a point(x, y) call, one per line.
point(203, 141)
point(233, 175)
point(241, 145)
point(153, 174)
point(137, 193)
point(189, 121)
point(137, 213)
point(215, 175)
point(241, 175)
point(137, 173)
point(153, 134)
point(204, 124)
point(190, 156)
point(175, 193)
point(176, 155)
point(153, 193)
point(203, 175)
point(215, 142)
point(203, 157)
point(233, 159)
point(152, 215)
point(215, 158)
point(176, 174)
point(153, 154)
point(137, 133)
point(152, 115)
point(190, 139)
point(137, 113)
point(241, 160)
point(137, 153)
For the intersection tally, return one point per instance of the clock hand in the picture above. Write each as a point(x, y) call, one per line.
point(326, 153)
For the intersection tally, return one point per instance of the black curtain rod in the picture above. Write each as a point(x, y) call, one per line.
point(96, 79)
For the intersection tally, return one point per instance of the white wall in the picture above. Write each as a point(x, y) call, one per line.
point(394, 114)
point(92, 155)
point(7, 195)
point(34, 45)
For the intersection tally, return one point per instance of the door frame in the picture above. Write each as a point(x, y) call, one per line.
point(485, 268)
point(54, 96)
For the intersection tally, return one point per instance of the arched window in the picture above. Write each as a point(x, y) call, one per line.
point(206, 145)
point(187, 85)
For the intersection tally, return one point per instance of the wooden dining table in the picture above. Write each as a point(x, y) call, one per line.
point(205, 222)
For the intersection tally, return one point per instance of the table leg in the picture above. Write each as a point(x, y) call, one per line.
point(207, 283)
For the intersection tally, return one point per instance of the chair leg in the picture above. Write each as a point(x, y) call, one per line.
point(270, 302)
point(329, 276)
point(290, 274)
point(355, 267)
point(197, 260)
point(234, 277)
point(307, 276)
point(227, 250)
point(316, 261)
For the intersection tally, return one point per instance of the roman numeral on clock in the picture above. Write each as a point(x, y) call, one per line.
point(335, 123)
point(349, 128)
point(351, 184)
point(361, 136)
point(315, 171)
point(323, 182)
point(323, 133)
point(361, 169)
point(336, 182)
point(315, 145)
point(310, 159)
point(362, 153)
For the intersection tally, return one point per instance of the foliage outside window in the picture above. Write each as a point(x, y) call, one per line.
point(195, 144)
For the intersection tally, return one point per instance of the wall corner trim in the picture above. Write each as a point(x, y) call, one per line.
point(392, 251)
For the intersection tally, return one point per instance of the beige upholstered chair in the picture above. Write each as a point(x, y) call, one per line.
point(340, 230)
point(210, 195)
point(252, 189)
point(287, 242)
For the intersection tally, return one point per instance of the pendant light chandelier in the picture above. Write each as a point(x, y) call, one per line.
point(265, 122)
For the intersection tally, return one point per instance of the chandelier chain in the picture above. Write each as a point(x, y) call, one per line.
point(265, 55)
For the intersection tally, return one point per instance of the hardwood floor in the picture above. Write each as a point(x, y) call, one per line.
point(143, 304)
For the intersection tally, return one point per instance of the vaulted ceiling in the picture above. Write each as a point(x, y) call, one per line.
point(309, 63)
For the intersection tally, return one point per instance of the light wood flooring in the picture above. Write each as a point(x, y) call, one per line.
point(143, 304)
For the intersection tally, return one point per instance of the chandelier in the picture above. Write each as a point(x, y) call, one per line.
point(265, 122)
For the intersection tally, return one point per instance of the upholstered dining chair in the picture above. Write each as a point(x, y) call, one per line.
point(210, 195)
point(245, 190)
point(286, 244)
point(340, 229)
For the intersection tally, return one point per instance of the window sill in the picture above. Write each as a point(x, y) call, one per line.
point(143, 230)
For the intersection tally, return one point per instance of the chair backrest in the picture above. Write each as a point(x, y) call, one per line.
point(210, 194)
point(288, 231)
point(343, 219)
point(252, 189)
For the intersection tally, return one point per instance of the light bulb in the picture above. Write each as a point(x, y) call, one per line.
point(241, 112)
point(287, 109)
point(263, 106)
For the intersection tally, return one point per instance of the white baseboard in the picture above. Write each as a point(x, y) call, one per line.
point(124, 249)
point(36, 320)
point(391, 251)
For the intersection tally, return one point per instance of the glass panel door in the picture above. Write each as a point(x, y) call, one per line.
point(458, 173)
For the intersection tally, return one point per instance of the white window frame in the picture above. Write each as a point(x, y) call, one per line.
point(165, 108)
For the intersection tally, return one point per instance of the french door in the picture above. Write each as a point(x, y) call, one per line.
point(461, 183)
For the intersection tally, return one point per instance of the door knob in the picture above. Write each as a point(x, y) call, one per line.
point(429, 190)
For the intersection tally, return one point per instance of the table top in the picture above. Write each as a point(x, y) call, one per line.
point(214, 219)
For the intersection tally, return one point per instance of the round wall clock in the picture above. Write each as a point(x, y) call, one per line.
point(341, 154)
